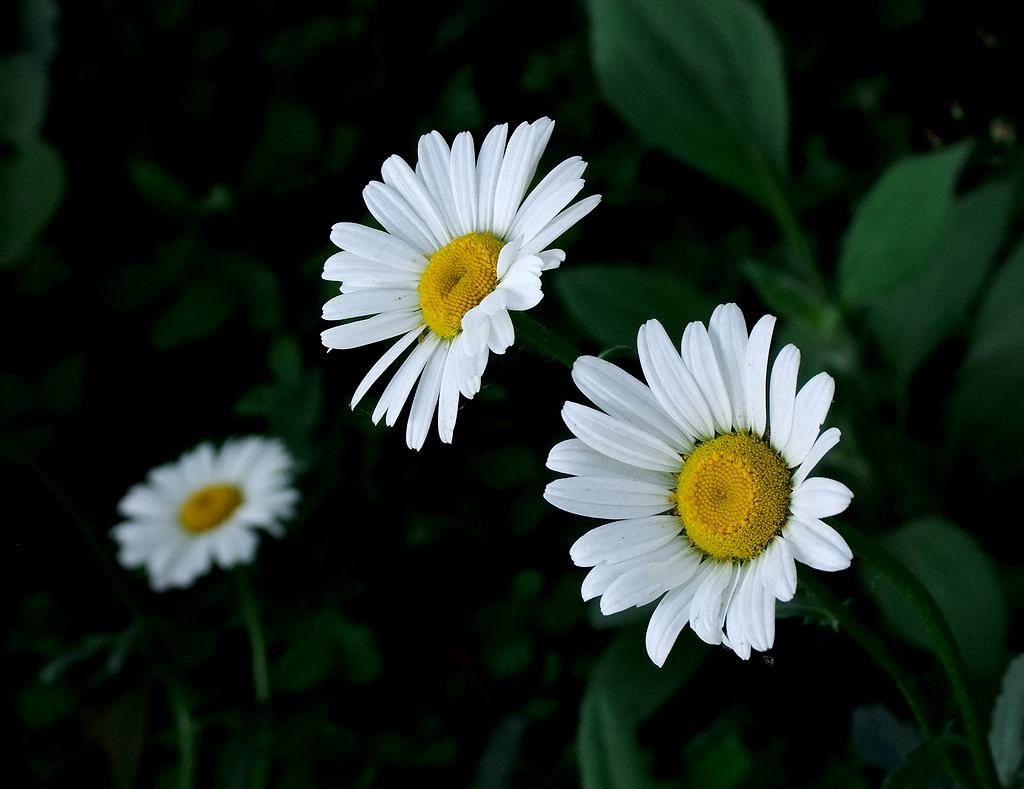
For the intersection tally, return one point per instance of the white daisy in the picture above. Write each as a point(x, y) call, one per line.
point(205, 508)
point(460, 249)
point(704, 479)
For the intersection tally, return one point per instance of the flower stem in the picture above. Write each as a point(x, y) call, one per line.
point(943, 641)
point(257, 643)
point(871, 644)
point(541, 338)
point(186, 741)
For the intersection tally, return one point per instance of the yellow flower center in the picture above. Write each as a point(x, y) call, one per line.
point(733, 496)
point(209, 507)
point(456, 279)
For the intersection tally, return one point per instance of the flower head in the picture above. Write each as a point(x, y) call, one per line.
point(205, 508)
point(461, 249)
point(703, 473)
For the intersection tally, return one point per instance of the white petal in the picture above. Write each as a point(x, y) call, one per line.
point(621, 540)
point(613, 498)
point(371, 330)
point(397, 391)
point(728, 333)
point(354, 271)
point(549, 197)
point(399, 218)
point(821, 447)
point(671, 616)
point(384, 363)
point(488, 167)
point(820, 497)
point(576, 458)
point(502, 333)
point(621, 395)
point(380, 247)
point(421, 413)
point(779, 571)
point(740, 627)
point(619, 440)
point(708, 609)
point(464, 183)
point(755, 374)
point(817, 544)
point(434, 167)
point(518, 167)
point(562, 222)
point(782, 395)
point(448, 397)
point(370, 302)
point(647, 583)
point(552, 258)
point(700, 359)
point(605, 574)
point(809, 412)
point(671, 383)
point(520, 286)
point(400, 176)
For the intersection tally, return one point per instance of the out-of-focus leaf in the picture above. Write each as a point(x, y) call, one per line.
point(701, 80)
point(31, 187)
point(142, 283)
point(44, 705)
point(880, 738)
point(285, 359)
point(39, 28)
point(625, 689)
point(321, 646)
point(458, 103)
point(963, 581)
point(898, 224)
point(62, 385)
point(1006, 735)
point(790, 297)
point(991, 380)
point(23, 97)
point(912, 318)
point(718, 760)
point(611, 302)
point(499, 757)
point(202, 307)
point(159, 188)
point(920, 769)
point(120, 729)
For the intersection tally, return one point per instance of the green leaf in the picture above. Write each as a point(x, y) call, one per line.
point(963, 581)
point(625, 689)
point(992, 377)
point(159, 188)
point(23, 97)
point(920, 767)
point(202, 307)
point(897, 225)
point(906, 319)
point(701, 80)
point(611, 302)
point(718, 758)
point(790, 296)
point(1006, 736)
point(62, 385)
point(31, 187)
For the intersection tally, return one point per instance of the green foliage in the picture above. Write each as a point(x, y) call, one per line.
point(898, 224)
point(31, 188)
point(1006, 735)
point(23, 99)
point(713, 93)
point(992, 376)
point(963, 581)
point(610, 302)
point(625, 689)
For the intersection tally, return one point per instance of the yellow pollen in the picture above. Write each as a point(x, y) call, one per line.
point(456, 279)
point(209, 507)
point(733, 496)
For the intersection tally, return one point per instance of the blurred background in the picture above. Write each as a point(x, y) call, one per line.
point(169, 173)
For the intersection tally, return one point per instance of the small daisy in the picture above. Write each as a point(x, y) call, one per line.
point(205, 508)
point(704, 479)
point(460, 249)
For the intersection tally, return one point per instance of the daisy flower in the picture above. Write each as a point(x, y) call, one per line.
point(205, 508)
point(461, 249)
point(705, 481)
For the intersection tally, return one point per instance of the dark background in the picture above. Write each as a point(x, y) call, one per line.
point(422, 614)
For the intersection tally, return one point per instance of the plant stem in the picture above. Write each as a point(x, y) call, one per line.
point(943, 641)
point(873, 645)
point(541, 338)
point(186, 742)
point(257, 643)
